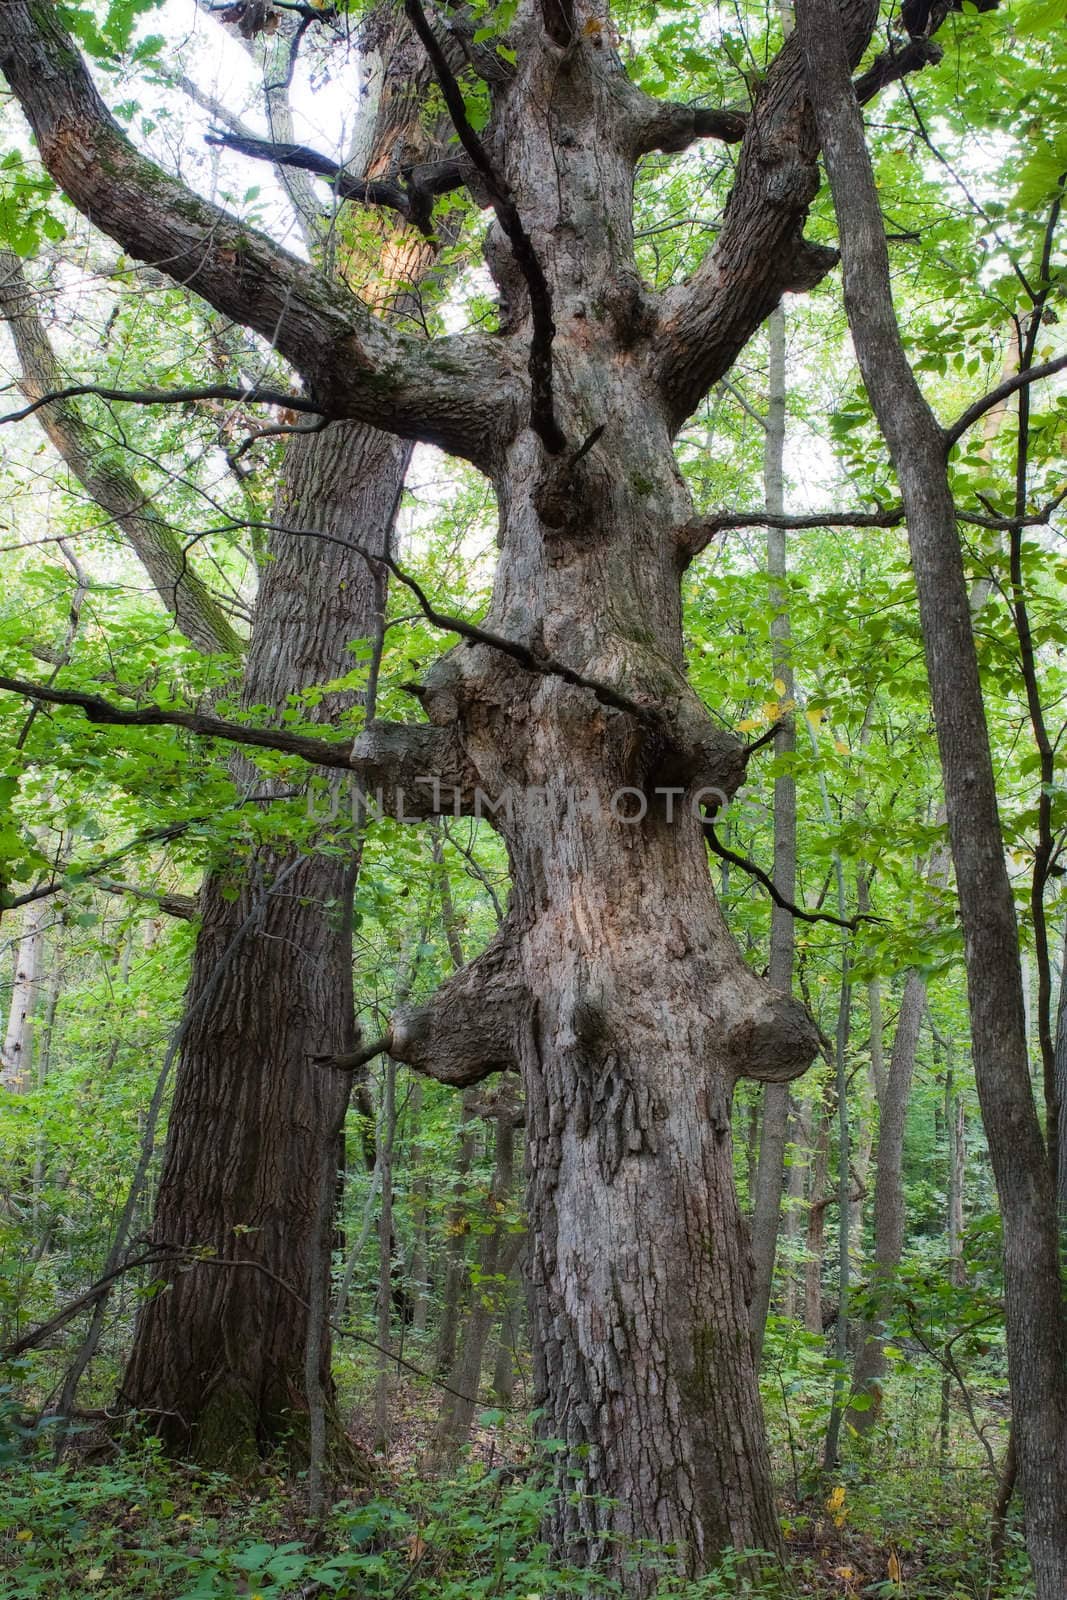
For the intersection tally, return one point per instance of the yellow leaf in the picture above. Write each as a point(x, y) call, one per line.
point(779, 687)
point(841, 747)
point(836, 1498)
point(771, 711)
point(747, 725)
point(416, 1548)
point(893, 1567)
point(24, 1536)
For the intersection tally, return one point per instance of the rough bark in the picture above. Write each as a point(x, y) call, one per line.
point(1037, 1347)
point(217, 1361)
point(614, 986)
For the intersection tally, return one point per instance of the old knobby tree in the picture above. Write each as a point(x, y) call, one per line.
point(614, 987)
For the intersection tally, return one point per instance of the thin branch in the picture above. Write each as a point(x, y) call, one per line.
point(318, 752)
point(542, 407)
point(1018, 380)
point(168, 397)
point(532, 660)
point(717, 847)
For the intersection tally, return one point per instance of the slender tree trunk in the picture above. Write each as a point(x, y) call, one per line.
point(1061, 1080)
point(420, 1194)
point(770, 1172)
point(796, 1180)
point(819, 1197)
point(498, 1254)
point(844, 1192)
point(158, 546)
point(507, 1348)
point(16, 1065)
point(956, 1130)
point(889, 1196)
point(1037, 1342)
point(384, 1302)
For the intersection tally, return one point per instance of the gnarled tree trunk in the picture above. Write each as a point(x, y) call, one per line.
point(614, 985)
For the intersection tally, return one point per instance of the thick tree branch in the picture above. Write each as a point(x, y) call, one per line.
point(457, 392)
point(895, 63)
point(542, 405)
point(468, 1029)
point(760, 251)
point(182, 906)
point(669, 125)
point(472, 1025)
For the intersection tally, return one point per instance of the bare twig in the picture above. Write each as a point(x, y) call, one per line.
point(717, 847)
point(169, 397)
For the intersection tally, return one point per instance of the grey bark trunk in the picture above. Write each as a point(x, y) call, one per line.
point(16, 1064)
point(889, 1196)
point(1037, 1343)
point(770, 1171)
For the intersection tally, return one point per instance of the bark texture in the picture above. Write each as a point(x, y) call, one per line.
point(217, 1360)
point(614, 986)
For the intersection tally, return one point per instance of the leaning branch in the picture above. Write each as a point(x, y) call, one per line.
point(318, 752)
point(168, 397)
point(542, 405)
point(717, 848)
point(695, 536)
point(1003, 391)
point(459, 394)
point(412, 194)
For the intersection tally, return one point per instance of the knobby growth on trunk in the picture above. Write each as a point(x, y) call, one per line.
point(613, 985)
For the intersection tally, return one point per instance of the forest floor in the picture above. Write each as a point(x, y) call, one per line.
point(115, 1522)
